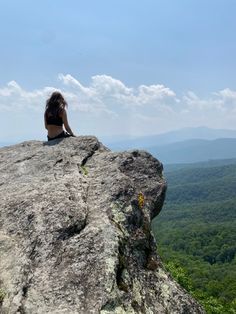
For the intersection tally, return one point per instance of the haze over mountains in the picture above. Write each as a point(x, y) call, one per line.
point(184, 134)
point(192, 151)
point(186, 145)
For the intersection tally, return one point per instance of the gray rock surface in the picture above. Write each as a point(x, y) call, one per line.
point(75, 235)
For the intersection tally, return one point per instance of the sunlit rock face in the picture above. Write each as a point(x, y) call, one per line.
point(75, 231)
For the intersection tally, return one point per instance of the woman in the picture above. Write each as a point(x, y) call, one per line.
point(55, 117)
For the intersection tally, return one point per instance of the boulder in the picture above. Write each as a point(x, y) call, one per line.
point(75, 234)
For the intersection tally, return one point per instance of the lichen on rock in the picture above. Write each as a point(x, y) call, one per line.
point(75, 234)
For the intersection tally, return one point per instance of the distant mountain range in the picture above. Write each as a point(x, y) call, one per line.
point(186, 145)
point(204, 164)
point(2, 144)
point(204, 133)
point(195, 151)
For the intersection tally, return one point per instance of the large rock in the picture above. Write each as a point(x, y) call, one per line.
point(75, 231)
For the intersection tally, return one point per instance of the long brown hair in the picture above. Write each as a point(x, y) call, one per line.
point(55, 104)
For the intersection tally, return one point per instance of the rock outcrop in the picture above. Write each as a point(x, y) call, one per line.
point(75, 231)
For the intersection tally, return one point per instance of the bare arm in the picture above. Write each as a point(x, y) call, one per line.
point(45, 122)
point(66, 124)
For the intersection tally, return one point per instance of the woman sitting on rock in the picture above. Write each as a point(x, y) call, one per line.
point(55, 117)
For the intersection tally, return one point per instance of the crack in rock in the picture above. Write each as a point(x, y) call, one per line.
point(71, 231)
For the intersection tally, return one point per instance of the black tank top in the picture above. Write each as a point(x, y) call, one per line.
point(51, 120)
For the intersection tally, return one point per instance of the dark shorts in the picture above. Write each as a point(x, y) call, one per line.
point(61, 135)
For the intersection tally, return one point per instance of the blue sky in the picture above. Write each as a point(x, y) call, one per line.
point(141, 67)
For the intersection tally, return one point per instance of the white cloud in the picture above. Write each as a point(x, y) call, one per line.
point(103, 94)
point(70, 81)
point(227, 94)
point(106, 85)
point(109, 91)
point(152, 93)
point(14, 98)
point(108, 101)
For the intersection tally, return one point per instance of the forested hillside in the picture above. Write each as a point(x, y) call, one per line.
point(196, 232)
